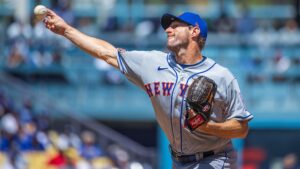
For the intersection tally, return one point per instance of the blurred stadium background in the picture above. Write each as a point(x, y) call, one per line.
point(60, 108)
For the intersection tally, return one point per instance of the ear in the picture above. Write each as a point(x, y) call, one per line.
point(195, 32)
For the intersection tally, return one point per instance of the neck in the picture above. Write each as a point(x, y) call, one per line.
point(188, 56)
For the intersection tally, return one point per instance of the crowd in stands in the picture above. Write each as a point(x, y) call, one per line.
point(31, 44)
point(29, 140)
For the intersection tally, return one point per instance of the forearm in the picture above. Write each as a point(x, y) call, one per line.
point(95, 47)
point(229, 129)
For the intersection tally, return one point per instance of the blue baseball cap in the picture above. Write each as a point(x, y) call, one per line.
point(188, 18)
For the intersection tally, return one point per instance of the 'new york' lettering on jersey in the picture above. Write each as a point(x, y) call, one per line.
point(163, 88)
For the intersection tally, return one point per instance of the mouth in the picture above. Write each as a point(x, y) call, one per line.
point(170, 37)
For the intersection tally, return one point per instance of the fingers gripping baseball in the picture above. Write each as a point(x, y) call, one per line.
point(55, 23)
point(200, 99)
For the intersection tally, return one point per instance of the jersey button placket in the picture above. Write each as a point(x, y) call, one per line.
point(176, 113)
point(178, 90)
point(177, 107)
point(181, 76)
point(182, 81)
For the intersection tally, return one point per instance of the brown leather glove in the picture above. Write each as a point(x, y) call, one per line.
point(199, 101)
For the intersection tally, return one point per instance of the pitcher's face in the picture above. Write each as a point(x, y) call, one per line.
point(178, 35)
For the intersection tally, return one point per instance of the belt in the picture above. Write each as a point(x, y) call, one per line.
point(190, 158)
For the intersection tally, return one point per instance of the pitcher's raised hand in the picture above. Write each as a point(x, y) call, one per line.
point(55, 23)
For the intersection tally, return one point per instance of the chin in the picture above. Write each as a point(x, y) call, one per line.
point(171, 48)
point(171, 45)
point(174, 46)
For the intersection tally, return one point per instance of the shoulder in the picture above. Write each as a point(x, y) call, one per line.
point(222, 73)
point(153, 53)
point(158, 53)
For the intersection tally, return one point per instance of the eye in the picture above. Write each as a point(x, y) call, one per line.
point(174, 26)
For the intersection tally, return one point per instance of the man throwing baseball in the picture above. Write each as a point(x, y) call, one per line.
point(197, 102)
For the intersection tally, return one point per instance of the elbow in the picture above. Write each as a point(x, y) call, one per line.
point(110, 60)
point(101, 55)
point(106, 53)
point(244, 130)
point(244, 134)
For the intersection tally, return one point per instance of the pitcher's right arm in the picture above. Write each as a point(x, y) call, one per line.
point(95, 47)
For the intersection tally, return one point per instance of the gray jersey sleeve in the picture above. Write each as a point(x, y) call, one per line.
point(136, 67)
point(130, 64)
point(236, 108)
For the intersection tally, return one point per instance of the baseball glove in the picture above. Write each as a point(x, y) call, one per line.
point(199, 102)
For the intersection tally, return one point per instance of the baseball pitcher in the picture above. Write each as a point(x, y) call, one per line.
point(197, 102)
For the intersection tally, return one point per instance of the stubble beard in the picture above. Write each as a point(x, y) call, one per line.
point(177, 46)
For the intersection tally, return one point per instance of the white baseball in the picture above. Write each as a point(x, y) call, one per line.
point(40, 12)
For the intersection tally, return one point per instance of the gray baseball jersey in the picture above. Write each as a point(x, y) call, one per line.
point(166, 83)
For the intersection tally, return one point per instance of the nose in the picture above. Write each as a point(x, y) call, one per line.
point(169, 30)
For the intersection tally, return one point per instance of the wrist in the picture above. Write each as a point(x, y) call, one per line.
point(67, 31)
point(205, 127)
